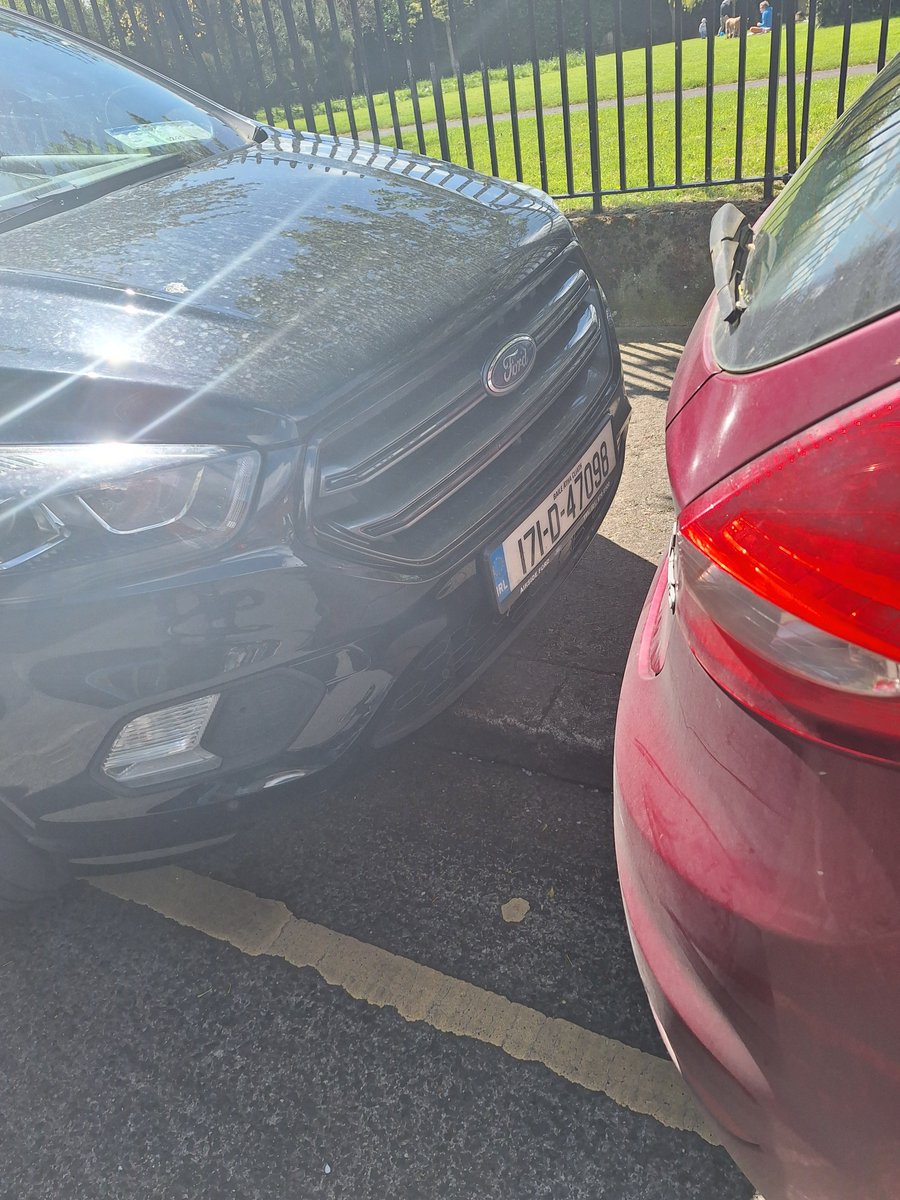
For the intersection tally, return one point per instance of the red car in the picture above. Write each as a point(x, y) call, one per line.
point(757, 771)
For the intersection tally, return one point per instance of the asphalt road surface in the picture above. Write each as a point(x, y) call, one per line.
point(341, 1003)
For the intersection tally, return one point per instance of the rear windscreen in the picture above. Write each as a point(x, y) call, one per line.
point(826, 257)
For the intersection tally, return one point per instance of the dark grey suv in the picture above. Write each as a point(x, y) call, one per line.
point(296, 435)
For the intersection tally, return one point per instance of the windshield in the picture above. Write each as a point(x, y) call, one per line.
point(825, 257)
point(71, 118)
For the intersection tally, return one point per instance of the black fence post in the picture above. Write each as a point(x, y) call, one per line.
point(564, 92)
point(437, 86)
point(511, 89)
point(807, 77)
point(649, 89)
point(63, 15)
point(620, 94)
point(744, 17)
point(538, 96)
point(136, 34)
point(410, 73)
point(486, 89)
point(712, 26)
point(100, 24)
point(177, 63)
point(789, 9)
point(300, 80)
point(322, 85)
point(340, 65)
point(453, 44)
point(117, 25)
point(590, 62)
point(250, 35)
point(883, 36)
point(772, 111)
point(238, 73)
point(213, 44)
point(280, 78)
point(389, 72)
point(845, 56)
point(79, 18)
point(180, 64)
point(365, 76)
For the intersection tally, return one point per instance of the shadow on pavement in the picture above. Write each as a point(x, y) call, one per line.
point(549, 704)
point(648, 366)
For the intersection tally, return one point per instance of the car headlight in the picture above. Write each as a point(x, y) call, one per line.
point(90, 502)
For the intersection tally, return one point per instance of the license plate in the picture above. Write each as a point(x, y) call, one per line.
point(521, 556)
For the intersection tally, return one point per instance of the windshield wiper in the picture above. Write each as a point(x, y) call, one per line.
point(730, 243)
point(67, 195)
point(27, 209)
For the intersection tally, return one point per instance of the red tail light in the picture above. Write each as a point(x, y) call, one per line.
point(789, 580)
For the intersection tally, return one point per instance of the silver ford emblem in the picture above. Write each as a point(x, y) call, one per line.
point(510, 366)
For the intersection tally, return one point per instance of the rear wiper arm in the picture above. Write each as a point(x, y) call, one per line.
point(730, 241)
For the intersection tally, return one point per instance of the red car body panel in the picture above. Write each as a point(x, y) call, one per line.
point(757, 757)
point(718, 421)
point(761, 879)
point(696, 364)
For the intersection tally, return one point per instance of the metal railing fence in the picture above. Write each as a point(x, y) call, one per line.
point(587, 99)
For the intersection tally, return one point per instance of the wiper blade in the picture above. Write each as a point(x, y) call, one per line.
point(67, 195)
point(48, 202)
point(730, 242)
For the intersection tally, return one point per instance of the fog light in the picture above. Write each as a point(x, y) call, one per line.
point(163, 745)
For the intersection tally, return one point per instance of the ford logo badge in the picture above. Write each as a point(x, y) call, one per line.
point(510, 366)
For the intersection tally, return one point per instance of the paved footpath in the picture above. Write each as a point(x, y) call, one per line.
point(417, 986)
point(556, 110)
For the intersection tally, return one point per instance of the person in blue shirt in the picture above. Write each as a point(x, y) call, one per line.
point(765, 18)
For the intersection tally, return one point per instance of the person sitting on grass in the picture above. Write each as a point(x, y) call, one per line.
point(765, 18)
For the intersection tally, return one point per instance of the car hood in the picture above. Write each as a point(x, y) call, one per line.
point(273, 277)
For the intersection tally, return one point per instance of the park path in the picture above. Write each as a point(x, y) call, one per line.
point(658, 97)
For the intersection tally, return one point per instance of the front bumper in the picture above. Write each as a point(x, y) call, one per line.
point(310, 656)
point(761, 883)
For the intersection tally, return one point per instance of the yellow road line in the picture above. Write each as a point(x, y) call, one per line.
point(640, 1082)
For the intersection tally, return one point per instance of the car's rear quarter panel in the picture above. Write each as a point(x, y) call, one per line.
point(762, 883)
point(718, 421)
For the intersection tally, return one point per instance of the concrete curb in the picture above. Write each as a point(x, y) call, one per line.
point(543, 718)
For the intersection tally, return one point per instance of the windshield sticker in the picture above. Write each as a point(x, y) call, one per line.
point(162, 133)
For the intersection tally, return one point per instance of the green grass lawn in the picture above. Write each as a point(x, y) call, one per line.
point(823, 101)
point(827, 55)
